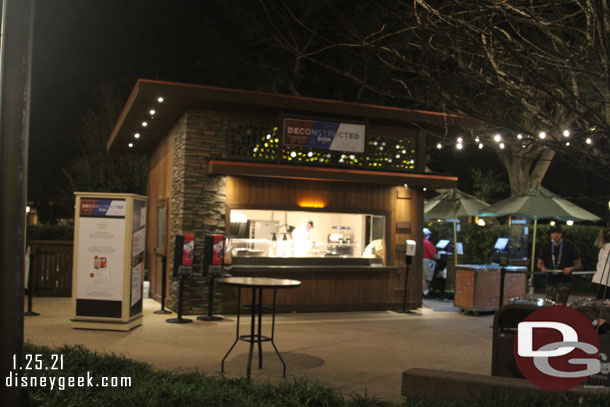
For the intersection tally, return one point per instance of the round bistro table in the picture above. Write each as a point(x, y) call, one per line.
point(257, 285)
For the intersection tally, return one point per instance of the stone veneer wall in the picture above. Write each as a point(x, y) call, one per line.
point(198, 201)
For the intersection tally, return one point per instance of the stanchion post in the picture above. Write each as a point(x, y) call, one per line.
point(29, 312)
point(210, 316)
point(180, 320)
point(404, 296)
point(163, 285)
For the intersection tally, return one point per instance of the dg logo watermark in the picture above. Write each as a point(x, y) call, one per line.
point(557, 348)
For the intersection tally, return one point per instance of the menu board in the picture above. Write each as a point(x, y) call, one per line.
point(101, 245)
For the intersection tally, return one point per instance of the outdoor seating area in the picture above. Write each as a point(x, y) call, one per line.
point(349, 351)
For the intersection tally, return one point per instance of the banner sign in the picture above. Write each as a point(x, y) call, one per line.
point(100, 208)
point(324, 135)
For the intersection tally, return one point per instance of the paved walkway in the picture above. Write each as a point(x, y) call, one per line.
point(351, 351)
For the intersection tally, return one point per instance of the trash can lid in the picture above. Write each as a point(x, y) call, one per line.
point(541, 302)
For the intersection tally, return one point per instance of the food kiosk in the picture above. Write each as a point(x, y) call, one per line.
point(253, 166)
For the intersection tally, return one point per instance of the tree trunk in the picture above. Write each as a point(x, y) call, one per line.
point(524, 171)
point(518, 169)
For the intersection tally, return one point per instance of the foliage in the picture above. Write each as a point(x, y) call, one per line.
point(479, 241)
point(486, 185)
point(519, 67)
point(161, 388)
point(97, 170)
point(49, 232)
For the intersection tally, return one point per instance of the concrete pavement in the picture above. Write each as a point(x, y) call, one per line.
point(351, 351)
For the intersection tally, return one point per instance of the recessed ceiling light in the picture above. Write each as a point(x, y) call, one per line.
point(152, 112)
point(130, 145)
point(160, 99)
point(144, 124)
point(137, 135)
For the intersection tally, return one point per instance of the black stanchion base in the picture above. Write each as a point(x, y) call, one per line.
point(209, 318)
point(162, 311)
point(30, 314)
point(178, 320)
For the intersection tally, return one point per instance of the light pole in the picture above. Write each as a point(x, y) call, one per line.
point(15, 76)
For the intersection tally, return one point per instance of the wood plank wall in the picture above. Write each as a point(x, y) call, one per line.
point(159, 192)
point(400, 205)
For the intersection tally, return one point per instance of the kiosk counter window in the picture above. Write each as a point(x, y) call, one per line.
point(259, 237)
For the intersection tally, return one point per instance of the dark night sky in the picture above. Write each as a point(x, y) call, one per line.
point(81, 44)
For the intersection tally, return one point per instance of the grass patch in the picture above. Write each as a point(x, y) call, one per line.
point(152, 388)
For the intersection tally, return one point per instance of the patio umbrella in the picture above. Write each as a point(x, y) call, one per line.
point(453, 204)
point(538, 203)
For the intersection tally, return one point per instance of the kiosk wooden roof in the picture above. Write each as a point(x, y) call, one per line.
point(154, 107)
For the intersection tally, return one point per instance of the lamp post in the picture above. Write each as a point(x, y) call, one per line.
point(15, 76)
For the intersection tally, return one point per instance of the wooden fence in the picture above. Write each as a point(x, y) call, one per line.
point(51, 268)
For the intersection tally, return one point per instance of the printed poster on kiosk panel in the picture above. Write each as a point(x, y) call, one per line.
point(101, 249)
point(321, 135)
point(138, 240)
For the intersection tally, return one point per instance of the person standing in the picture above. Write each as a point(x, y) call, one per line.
point(558, 258)
point(429, 262)
point(301, 239)
point(601, 278)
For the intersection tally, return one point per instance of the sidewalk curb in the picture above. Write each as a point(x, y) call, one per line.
point(442, 385)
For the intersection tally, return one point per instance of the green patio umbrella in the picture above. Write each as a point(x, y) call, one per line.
point(453, 204)
point(538, 203)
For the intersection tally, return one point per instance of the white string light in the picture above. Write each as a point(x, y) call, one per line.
point(498, 138)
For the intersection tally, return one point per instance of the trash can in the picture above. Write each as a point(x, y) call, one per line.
point(594, 310)
point(504, 331)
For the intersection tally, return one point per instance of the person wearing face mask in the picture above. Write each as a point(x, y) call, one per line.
point(558, 258)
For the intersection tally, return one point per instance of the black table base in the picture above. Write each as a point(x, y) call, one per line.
point(255, 336)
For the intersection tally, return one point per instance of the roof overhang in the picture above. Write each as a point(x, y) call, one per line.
point(180, 97)
point(220, 167)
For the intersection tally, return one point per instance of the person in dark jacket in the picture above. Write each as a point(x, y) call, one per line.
point(558, 258)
